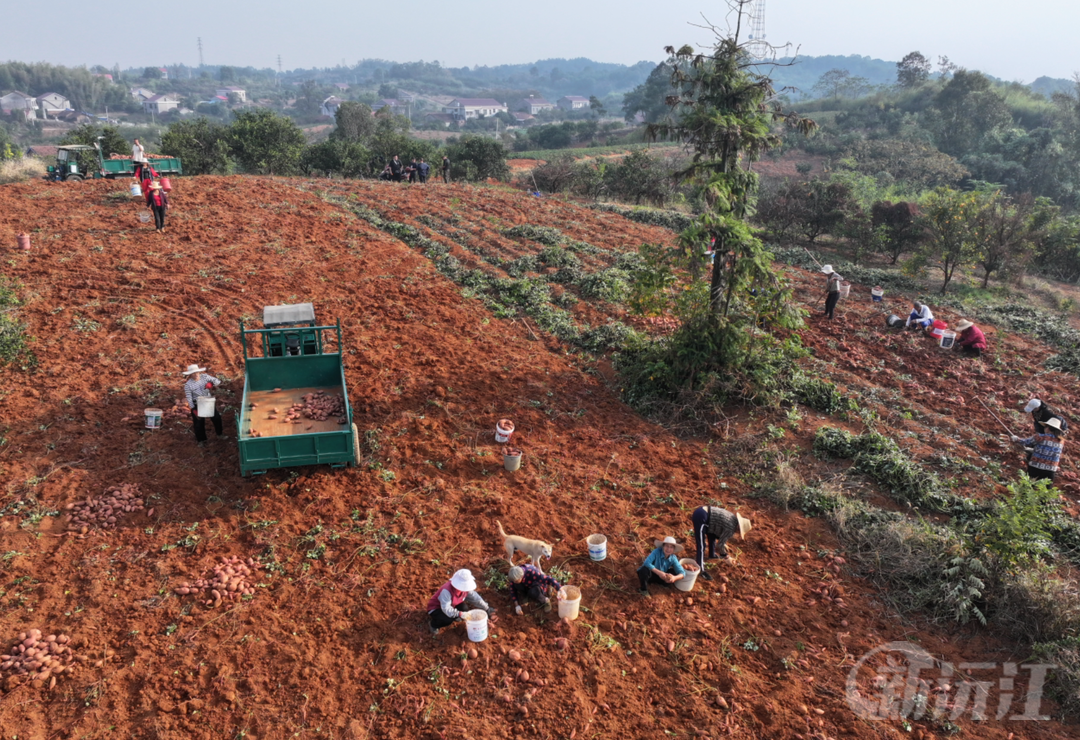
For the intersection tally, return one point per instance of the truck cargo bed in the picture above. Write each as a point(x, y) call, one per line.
point(255, 419)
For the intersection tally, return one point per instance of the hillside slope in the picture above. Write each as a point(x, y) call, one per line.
point(334, 641)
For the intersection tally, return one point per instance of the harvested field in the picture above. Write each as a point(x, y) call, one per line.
point(329, 638)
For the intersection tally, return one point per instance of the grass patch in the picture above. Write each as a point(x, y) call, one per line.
point(13, 340)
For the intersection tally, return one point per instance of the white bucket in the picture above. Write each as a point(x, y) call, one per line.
point(136, 191)
point(205, 406)
point(153, 418)
point(597, 547)
point(947, 338)
point(144, 217)
point(845, 288)
point(476, 624)
point(686, 583)
point(876, 294)
point(570, 602)
point(503, 435)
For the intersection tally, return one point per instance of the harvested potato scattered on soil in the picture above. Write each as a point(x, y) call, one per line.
point(230, 579)
point(41, 658)
point(317, 406)
point(105, 511)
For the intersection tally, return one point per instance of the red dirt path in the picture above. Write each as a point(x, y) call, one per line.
point(334, 642)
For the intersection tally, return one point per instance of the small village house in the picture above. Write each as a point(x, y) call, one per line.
point(464, 108)
point(239, 92)
point(161, 104)
point(533, 105)
point(573, 102)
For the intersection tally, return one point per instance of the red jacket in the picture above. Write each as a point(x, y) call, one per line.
point(159, 197)
point(456, 597)
point(972, 337)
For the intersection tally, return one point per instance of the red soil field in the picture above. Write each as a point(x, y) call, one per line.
point(334, 641)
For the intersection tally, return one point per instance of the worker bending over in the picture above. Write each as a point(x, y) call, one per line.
point(921, 316)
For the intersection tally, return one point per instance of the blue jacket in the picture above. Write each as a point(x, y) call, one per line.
point(665, 563)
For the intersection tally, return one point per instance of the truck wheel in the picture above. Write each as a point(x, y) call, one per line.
point(356, 446)
point(73, 178)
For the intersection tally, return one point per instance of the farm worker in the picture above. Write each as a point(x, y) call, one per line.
point(832, 289)
point(525, 581)
point(1042, 413)
point(396, 168)
point(198, 385)
point(414, 170)
point(445, 169)
point(460, 590)
point(425, 169)
point(159, 203)
point(1046, 451)
point(971, 340)
point(386, 174)
point(921, 315)
point(718, 526)
point(661, 566)
point(138, 158)
point(148, 176)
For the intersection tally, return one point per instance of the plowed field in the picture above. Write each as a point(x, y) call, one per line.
point(333, 642)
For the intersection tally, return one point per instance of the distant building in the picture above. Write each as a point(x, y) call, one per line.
point(573, 102)
point(523, 118)
point(141, 94)
point(52, 103)
point(330, 105)
point(465, 108)
point(164, 73)
point(405, 97)
point(341, 86)
point(534, 105)
point(161, 104)
point(239, 92)
point(103, 75)
point(19, 103)
point(395, 107)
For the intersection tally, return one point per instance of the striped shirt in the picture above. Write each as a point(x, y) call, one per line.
point(197, 388)
point(722, 523)
point(1046, 453)
point(530, 577)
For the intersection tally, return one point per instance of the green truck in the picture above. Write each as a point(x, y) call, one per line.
point(290, 362)
point(76, 162)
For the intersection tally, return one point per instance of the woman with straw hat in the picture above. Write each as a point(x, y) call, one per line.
point(971, 340)
point(1046, 449)
point(832, 289)
point(198, 386)
point(159, 203)
point(718, 526)
point(661, 566)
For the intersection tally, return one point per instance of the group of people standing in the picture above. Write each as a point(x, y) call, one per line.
point(157, 199)
point(416, 171)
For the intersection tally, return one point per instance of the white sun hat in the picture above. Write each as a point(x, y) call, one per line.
point(192, 369)
point(1032, 405)
point(827, 269)
point(463, 580)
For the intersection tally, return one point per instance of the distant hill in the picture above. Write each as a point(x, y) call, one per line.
point(1049, 85)
point(804, 73)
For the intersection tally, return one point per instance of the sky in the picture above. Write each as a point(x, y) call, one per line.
point(1009, 40)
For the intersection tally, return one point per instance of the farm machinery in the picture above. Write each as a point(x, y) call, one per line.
point(76, 162)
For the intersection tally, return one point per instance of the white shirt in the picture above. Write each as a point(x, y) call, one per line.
point(137, 153)
point(922, 315)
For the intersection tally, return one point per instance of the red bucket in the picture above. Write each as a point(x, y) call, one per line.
point(165, 184)
point(23, 240)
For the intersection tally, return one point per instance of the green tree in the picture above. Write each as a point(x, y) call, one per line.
point(477, 158)
point(912, 70)
point(639, 177)
point(309, 98)
point(111, 140)
point(201, 144)
point(950, 220)
point(355, 122)
point(833, 83)
point(264, 142)
point(334, 156)
point(649, 97)
point(596, 106)
point(965, 111)
point(1007, 232)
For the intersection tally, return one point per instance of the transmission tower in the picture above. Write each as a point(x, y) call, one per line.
point(757, 44)
point(279, 64)
point(200, 53)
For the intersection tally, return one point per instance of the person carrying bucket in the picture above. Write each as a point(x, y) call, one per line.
point(198, 386)
point(921, 316)
point(527, 582)
point(971, 340)
point(661, 566)
point(159, 203)
point(1046, 449)
point(832, 289)
point(718, 526)
point(459, 591)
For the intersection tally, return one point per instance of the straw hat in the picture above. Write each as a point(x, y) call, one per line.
point(827, 269)
point(964, 324)
point(744, 526)
point(1054, 422)
point(192, 369)
point(463, 580)
point(155, 185)
point(669, 541)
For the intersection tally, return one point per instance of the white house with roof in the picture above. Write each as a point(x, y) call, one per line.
point(161, 103)
point(464, 108)
point(533, 105)
point(330, 106)
point(573, 102)
point(239, 92)
point(51, 104)
point(18, 102)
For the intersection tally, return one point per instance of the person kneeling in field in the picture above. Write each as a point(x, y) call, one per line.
point(459, 591)
point(971, 340)
point(661, 566)
point(920, 317)
point(525, 582)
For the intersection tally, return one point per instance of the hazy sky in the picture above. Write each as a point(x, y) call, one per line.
point(1010, 40)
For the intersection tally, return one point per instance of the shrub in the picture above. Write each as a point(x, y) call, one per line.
point(21, 169)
